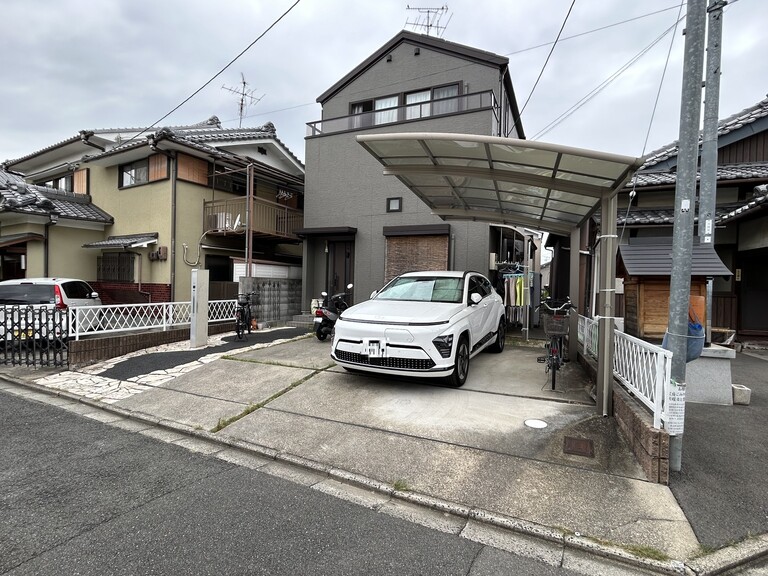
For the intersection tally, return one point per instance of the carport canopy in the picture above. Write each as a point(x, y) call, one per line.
point(538, 185)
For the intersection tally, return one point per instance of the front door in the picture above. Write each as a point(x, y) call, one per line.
point(340, 265)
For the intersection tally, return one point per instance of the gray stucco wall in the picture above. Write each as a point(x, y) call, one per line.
point(345, 185)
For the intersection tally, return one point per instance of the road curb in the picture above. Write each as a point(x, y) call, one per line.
point(713, 564)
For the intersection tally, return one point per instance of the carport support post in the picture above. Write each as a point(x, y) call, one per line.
point(573, 290)
point(605, 305)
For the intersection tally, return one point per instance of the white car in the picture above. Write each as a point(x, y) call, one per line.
point(36, 308)
point(426, 324)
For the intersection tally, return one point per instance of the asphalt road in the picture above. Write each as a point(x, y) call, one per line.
point(721, 484)
point(83, 497)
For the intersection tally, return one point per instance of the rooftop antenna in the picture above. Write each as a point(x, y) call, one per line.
point(428, 19)
point(246, 96)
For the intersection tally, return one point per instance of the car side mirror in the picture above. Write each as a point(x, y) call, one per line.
point(374, 293)
point(94, 295)
point(475, 298)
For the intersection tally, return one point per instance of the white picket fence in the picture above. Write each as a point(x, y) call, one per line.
point(643, 368)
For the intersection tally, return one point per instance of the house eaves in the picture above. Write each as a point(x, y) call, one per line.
point(749, 121)
point(125, 241)
point(62, 152)
point(653, 257)
point(19, 197)
point(736, 173)
point(421, 40)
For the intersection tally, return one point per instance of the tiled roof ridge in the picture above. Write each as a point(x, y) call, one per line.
point(725, 126)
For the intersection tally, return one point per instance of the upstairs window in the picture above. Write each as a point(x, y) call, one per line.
point(134, 173)
point(63, 182)
point(149, 169)
point(409, 106)
point(446, 99)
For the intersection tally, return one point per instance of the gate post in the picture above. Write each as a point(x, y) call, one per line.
point(198, 325)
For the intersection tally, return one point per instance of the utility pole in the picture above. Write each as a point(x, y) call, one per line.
point(708, 181)
point(682, 239)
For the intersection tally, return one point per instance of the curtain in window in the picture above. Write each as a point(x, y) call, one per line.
point(446, 106)
point(357, 121)
point(385, 115)
point(414, 109)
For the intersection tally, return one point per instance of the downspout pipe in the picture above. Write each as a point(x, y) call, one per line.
point(174, 164)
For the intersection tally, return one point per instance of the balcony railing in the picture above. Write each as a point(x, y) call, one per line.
point(268, 218)
point(408, 113)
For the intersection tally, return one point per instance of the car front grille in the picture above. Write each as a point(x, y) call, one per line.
point(397, 363)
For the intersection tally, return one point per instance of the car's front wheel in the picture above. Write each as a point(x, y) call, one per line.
point(461, 366)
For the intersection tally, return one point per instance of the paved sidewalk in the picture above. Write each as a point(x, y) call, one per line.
point(465, 451)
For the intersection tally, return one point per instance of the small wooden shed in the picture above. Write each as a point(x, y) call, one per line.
point(645, 264)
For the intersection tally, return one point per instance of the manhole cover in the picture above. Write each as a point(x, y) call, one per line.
point(579, 446)
point(533, 423)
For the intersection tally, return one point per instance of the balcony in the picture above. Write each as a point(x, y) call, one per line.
point(408, 113)
point(269, 219)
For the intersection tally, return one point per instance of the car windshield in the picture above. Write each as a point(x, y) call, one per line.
point(424, 289)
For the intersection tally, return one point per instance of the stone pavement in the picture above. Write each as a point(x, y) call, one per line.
point(467, 452)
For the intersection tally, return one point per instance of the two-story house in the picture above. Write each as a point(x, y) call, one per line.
point(363, 227)
point(161, 202)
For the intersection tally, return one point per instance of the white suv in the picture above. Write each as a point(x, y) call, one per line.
point(56, 295)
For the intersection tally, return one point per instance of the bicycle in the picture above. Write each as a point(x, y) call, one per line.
point(554, 316)
point(243, 314)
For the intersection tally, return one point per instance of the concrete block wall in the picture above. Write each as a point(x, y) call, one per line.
point(649, 445)
point(277, 299)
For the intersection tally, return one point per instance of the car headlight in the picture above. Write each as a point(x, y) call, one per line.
point(444, 345)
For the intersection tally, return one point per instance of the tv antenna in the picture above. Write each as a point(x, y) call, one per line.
point(428, 19)
point(246, 96)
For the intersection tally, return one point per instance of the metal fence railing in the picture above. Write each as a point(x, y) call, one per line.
point(643, 368)
point(116, 318)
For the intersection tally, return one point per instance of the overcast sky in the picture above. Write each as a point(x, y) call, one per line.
point(70, 65)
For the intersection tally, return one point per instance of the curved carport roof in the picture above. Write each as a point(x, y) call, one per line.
point(538, 185)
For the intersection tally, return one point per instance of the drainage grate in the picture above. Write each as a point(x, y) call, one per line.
point(579, 446)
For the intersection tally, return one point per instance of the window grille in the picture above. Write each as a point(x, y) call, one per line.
point(115, 267)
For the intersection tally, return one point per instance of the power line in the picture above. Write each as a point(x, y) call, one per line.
point(196, 92)
point(604, 84)
point(579, 35)
point(562, 27)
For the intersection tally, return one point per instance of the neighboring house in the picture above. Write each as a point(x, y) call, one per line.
point(160, 203)
point(363, 227)
point(741, 220)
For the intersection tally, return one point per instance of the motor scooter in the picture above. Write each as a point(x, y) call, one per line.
point(327, 314)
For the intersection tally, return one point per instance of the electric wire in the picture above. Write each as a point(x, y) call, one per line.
point(604, 84)
point(541, 73)
point(633, 192)
point(219, 73)
point(442, 71)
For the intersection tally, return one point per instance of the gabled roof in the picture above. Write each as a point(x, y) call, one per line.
point(653, 257)
point(181, 140)
point(437, 44)
point(208, 133)
point(18, 196)
point(748, 121)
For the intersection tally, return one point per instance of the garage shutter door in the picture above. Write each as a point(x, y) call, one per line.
point(410, 253)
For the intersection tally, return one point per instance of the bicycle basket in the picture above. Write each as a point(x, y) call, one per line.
point(555, 325)
point(243, 299)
